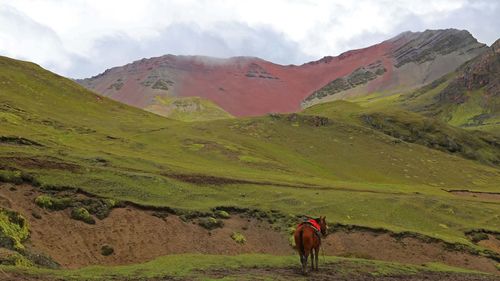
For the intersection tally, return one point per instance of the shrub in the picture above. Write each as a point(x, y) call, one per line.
point(291, 241)
point(13, 230)
point(238, 238)
point(17, 177)
point(39, 259)
point(478, 236)
point(222, 214)
point(44, 201)
point(82, 214)
point(11, 176)
point(13, 258)
point(107, 250)
point(53, 203)
point(99, 207)
point(210, 223)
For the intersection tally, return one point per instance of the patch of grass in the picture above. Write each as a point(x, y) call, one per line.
point(14, 229)
point(221, 214)
point(13, 258)
point(238, 238)
point(82, 214)
point(188, 109)
point(478, 236)
point(190, 266)
point(53, 203)
point(17, 177)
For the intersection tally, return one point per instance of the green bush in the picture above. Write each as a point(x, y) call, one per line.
point(13, 258)
point(291, 241)
point(238, 238)
point(99, 207)
point(107, 250)
point(13, 230)
point(17, 177)
point(222, 214)
point(210, 223)
point(478, 236)
point(53, 203)
point(82, 214)
point(11, 176)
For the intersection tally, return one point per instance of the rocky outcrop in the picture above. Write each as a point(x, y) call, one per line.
point(425, 46)
point(358, 77)
point(483, 71)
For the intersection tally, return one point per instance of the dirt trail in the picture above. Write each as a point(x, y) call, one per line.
point(327, 272)
point(337, 272)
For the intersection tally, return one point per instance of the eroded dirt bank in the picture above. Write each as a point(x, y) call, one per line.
point(135, 235)
point(383, 246)
point(138, 235)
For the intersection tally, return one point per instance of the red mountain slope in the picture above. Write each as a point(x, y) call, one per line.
point(247, 86)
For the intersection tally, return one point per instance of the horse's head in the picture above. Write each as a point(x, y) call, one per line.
point(323, 225)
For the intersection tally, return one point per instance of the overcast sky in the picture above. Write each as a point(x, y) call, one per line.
point(81, 38)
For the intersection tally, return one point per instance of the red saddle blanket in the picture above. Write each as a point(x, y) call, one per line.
point(313, 223)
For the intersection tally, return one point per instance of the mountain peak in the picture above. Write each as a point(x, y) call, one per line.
point(424, 46)
point(249, 86)
point(496, 46)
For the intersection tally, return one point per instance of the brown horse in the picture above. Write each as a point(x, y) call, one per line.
point(308, 241)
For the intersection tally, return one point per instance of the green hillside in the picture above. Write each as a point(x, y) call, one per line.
point(188, 109)
point(468, 98)
point(65, 136)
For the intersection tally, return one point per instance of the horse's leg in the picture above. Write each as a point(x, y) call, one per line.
point(312, 259)
point(304, 263)
point(316, 256)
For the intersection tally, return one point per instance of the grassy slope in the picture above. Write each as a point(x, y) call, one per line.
point(188, 109)
point(381, 114)
point(350, 173)
point(478, 112)
point(193, 266)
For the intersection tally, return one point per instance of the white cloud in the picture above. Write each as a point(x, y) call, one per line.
point(81, 38)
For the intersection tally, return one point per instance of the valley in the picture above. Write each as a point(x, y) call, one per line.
point(205, 184)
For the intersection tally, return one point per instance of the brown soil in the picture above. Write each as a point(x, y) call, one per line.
point(136, 235)
point(382, 246)
point(35, 163)
point(213, 180)
point(491, 243)
point(202, 179)
point(481, 195)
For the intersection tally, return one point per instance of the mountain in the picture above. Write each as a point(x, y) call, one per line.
point(468, 97)
point(247, 86)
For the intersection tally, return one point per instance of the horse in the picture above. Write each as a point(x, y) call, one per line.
point(308, 240)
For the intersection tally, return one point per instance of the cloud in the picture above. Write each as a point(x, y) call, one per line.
point(81, 38)
point(23, 38)
point(225, 39)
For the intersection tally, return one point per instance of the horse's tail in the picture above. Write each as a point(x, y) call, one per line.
point(301, 242)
